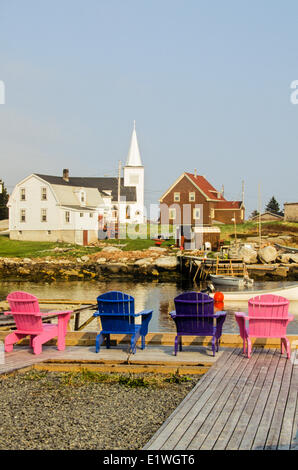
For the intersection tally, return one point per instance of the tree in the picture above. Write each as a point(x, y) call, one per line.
point(254, 214)
point(273, 207)
point(3, 201)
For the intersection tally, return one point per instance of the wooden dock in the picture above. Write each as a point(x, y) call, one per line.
point(239, 404)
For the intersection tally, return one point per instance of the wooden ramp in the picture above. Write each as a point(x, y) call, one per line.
point(240, 403)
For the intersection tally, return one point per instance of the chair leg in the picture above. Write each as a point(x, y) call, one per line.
point(213, 345)
point(11, 339)
point(176, 346)
point(248, 347)
point(180, 343)
point(285, 345)
point(143, 344)
point(98, 342)
point(37, 345)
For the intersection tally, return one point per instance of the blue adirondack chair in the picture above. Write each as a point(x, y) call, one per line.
point(194, 316)
point(117, 315)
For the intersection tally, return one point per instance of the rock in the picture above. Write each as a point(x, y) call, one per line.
point(143, 262)
point(157, 248)
point(268, 254)
point(248, 255)
point(293, 257)
point(101, 260)
point(284, 258)
point(85, 258)
point(27, 260)
point(110, 249)
point(166, 262)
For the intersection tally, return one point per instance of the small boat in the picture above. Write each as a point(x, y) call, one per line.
point(230, 280)
point(287, 249)
point(289, 292)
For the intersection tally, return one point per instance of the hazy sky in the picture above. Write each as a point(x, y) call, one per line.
point(208, 83)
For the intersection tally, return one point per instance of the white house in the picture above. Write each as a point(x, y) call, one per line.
point(75, 209)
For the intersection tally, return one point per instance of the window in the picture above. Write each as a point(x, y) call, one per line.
point(128, 212)
point(43, 194)
point(23, 194)
point(43, 215)
point(83, 197)
point(176, 197)
point(90, 214)
point(67, 217)
point(196, 213)
point(81, 214)
point(23, 215)
point(172, 214)
point(192, 197)
point(212, 213)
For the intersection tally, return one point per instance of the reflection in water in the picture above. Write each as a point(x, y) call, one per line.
point(156, 296)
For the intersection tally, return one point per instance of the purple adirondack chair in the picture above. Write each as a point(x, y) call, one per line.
point(267, 317)
point(28, 318)
point(194, 316)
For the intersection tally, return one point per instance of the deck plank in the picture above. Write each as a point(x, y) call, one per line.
point(169, 426)
point(279, 410)
point(232, 409)
point(204, 423)
point(287, 428)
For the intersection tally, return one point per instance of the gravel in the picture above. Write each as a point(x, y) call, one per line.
point(49, 410)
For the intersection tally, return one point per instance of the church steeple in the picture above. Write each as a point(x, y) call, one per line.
point(134, 156)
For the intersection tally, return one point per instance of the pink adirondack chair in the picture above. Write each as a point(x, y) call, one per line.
point(268, 317)
point(28, 318)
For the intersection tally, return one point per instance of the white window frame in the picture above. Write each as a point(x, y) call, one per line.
point(81, 214)
point(23, 215)
point(172, 213)
point(67, 217)
point(195, 213)
point(22, 194)
point(44, 195)
point(176, 197)
point(192, 197)
point(43, 215)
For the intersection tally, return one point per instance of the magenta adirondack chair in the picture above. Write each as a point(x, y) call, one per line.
point(268, 317)
point(28, 318)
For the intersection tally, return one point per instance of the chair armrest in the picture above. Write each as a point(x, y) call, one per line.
point(241, 315)
point(143, 312)
point(220, 313)
point(173, 314)
point(59, 312)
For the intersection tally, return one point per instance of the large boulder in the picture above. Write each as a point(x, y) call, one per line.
point(268, 254)
point(166, 262)
point(248, 255)
point(294, 257)
point(110, 249)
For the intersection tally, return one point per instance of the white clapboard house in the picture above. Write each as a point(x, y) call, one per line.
point(76, 209)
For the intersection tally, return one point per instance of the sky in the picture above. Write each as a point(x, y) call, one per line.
point(207, 82)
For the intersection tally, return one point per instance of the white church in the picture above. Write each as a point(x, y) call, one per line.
point(75, 209)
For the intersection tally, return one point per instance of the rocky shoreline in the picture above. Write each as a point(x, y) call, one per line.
point(152, 264)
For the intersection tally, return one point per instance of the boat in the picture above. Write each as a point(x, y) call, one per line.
point(289, 292)
point(230, 280)
point(287, 249)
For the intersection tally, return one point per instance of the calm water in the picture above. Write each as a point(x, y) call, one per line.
point(156, 296)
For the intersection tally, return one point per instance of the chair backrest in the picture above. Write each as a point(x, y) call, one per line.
point(120, 308)
point(268, 315)
point(194, 313)
point(26, 313)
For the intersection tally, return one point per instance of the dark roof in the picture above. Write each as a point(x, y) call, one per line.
point(102, 184)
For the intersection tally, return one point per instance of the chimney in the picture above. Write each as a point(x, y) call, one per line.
point(195, 172)
point(66, 175)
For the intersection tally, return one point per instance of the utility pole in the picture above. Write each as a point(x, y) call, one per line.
point(119, 196)
point(243, 192)
point(260, 229)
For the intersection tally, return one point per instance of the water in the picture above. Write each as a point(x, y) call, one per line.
point(147, 295)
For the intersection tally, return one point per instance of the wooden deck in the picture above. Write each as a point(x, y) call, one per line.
point(239, 404)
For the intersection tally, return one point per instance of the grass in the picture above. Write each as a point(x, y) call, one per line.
point(78, 379)
point(35, 249)
point(250, 228)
